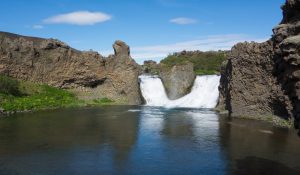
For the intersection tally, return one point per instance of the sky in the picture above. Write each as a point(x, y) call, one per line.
point(152, 28)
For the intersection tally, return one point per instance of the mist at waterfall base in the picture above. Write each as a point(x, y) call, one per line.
point(204, 93)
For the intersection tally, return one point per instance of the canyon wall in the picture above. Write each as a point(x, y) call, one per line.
point(263, 79)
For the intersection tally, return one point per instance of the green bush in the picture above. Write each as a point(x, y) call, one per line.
point(204, 62)
point(9, 86)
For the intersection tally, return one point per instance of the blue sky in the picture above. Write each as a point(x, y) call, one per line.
point(152, 28)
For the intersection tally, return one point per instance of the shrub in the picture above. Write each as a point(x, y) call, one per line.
point(9, 86)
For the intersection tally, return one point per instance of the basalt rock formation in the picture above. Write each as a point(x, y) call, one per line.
point(178, 80)
point(53, 62)
point(248, 87)
point(122, 74)
point(264, 78)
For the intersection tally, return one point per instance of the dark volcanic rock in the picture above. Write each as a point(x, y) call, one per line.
point(178, 80)
point(248, 87)
point(287, 55)
point(263, 78)
point(54, 63)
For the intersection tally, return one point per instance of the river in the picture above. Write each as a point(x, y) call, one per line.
point(143, 140)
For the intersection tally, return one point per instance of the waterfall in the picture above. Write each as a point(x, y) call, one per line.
point(204, 93)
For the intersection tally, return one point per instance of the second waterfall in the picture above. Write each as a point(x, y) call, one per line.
point(204, 93)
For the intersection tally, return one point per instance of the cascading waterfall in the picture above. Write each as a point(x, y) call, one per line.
point(204, 93)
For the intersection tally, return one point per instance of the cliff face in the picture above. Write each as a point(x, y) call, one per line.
point(286, 40)
point(263, 78)
point(54, 63)
point(248, 87)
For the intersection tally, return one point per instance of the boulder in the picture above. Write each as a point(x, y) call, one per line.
point(178, 80)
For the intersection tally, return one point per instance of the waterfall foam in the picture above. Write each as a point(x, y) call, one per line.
point(204, 93)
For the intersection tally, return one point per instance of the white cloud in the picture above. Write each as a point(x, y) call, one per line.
point(206, 43)
point(79, 18)
point(37, 27)
point(183, 21)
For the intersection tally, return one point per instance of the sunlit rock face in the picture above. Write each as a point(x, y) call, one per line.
point(122, 75)
point(263, 78)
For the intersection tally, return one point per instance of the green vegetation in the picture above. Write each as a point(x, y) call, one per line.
point(26, 96)
point(102, 101)
point(9, 86)
point(206, 72)
point(274, 120)
point(205, 63)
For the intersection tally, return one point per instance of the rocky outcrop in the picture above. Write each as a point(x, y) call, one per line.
point(178, 80)
point(263, 78)
point(122, 76)
point(53, 62)
point(151, 67)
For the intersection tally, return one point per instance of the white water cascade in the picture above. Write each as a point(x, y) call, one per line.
point(204, 93)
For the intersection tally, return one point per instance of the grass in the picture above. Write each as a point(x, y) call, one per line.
point(205, 63)
point(102, 101)
point(27, 96)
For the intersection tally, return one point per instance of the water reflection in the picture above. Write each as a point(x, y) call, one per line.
point(68, 139)
point(254, 147)
point(180, 139)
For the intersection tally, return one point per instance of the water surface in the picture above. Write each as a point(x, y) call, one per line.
point(143, 140)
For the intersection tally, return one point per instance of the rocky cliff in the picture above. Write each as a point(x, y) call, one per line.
point(263, 78)
point(53, 62)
